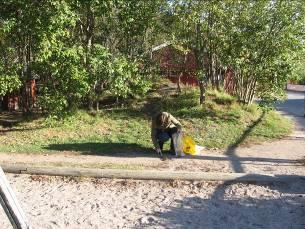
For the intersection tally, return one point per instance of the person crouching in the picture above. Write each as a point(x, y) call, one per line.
point(164, 127)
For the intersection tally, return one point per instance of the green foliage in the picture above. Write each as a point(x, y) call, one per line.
point(116, 76)
point(8, 83)
point(80, 51)
point(298, 72)
point(66, 81)
point(100, 61)
point(259, 40)
point(126, 80)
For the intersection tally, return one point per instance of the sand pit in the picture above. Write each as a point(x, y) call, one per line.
point(56, 202)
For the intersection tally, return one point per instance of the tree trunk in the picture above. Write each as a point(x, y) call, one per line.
point(90, 104)
point(89, 31)
point(179, 83)
point(253, 91)
point(97, 105)
point(202, 92)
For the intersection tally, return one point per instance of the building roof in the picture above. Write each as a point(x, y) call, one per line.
point(161, 46)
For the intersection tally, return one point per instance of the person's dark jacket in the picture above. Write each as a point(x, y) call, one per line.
point(170, 122)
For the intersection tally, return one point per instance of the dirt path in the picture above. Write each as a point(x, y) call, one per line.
point(281, 157)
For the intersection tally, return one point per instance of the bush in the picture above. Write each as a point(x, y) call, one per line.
point(220, 97)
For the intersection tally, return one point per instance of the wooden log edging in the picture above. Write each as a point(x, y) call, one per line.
point(149, 174)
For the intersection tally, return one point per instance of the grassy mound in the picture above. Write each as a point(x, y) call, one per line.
point(220, 123)
point(223, 122)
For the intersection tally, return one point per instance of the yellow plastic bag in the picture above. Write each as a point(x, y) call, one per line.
point(189, 145)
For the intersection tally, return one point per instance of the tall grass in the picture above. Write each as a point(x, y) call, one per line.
point(219, 123)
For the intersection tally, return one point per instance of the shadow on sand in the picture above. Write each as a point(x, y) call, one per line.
point(237, 205)
point(231, 151)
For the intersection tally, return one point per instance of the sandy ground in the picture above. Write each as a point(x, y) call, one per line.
point(51, 202)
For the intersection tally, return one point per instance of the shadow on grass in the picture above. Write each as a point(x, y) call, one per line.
point(14, 129)
point(10, 120)
point(104, 149)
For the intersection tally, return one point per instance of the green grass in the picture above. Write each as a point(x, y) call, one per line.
point(86, 165)
point(108, 132)
point(125, 130)
point(223, 122)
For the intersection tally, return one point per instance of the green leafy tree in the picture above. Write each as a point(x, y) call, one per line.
point(65, 81)
point(8, 82)
point(254, 38)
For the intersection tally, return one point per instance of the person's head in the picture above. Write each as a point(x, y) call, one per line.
point(162, 120)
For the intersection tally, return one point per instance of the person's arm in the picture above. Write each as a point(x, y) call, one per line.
point(175, 122)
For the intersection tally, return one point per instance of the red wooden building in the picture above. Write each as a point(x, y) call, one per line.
point(174, 63)
point(26, 95)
